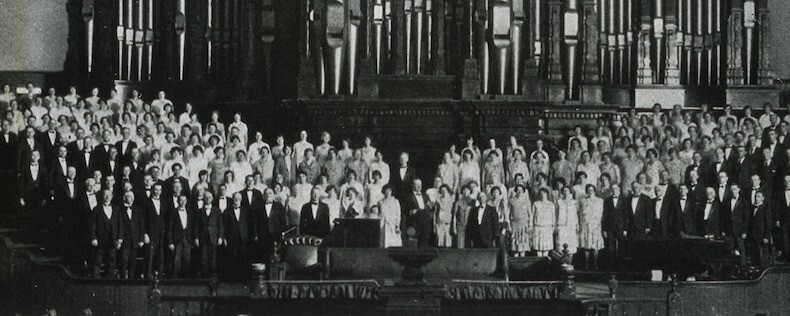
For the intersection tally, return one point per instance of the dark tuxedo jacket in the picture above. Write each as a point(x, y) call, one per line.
point(177, 232)
point(156, 225)
point(102, 153)
point(402, 186)
point(167, 187)
point(409, 202)
point(238, 232)
point(85, 168)
point(317, 226)
point(133, 228)
point(48, 145)
point(24, 151)
point(712, 175)
point(780, 209)
point(483, 234)
point(8, 151)
point(106, 230)
point(56, 173)
point(688, 215)
point(740, 172)
point(257, 199)
point(209, 227)
point(31, 189)
point(712, 226)
point(759, 223)
point(125, 156)
point(64, 201)
point(269, 228)
point(640, 218)
point(614, 220)
point(727, 193)
point(667, 224)
point(738, 222)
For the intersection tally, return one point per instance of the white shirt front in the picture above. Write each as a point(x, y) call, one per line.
point(707, 210)
point(87, 159)
point(787, 197)
point(682, 205)
point(480, 212)
point(402, 172)
point(107, 211)
point(659, 203)
point(634, 203)
point(732, 203)
point(182, 215)
point(157, 205)
point(420, 201)
point(268, 208)
point(34, 172)
point(237, 213)
point(222, 203)
point(63, 166)
point(70, 185)
point(722, 189)
point(314, 210)
point(129, 212)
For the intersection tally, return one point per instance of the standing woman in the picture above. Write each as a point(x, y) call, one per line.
point(6, 97)
point(563, 168)
point(545, 220)
point(539, 164)
point(444, 216)
point(493, 168)
point(516, 165)
point(468, 170)
point(243, 131)
point(265, 166)
point(334, 168)
point(520, 221)
point(390, 210)
point(331, 200)
point(217, 168)
point(591, 169)
point(448, 171)
point(591, 236)
point(568, 221)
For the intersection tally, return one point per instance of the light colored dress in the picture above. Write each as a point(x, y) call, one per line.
point(544, 219)
point(444, 218)
point(217, 173)
point(591, 212)
point(390, 215)
point(520, 223)
point(469, 171)
point(568, 224)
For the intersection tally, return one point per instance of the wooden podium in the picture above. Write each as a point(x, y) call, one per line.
point(357, 233)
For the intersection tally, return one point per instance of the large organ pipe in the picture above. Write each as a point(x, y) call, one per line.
point(335, 24)
point(87, 18)
point(407, 11)
point(749, 22)
point(537, 32)
point(500, 34)
point(354, 20)
point(518, 22)
point(629, 41)
point(149, 39)
point(602, 44)
point(699, 45)
point(658, 31)
point(378, 34)
point(429, 46)
point(717, 44)
point(621, 42)
point(418, 11)
point(709, 48)
point(681, 28)
point(181, 35)
point(120, 32)
point(129, 38)
point(387, 38)
point(209, 27)
point(689, 41)
point(571, 39)
point(139, 39)
point(611, 39)
point(483, 57)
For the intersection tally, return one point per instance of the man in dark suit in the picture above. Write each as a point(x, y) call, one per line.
point(133, 222)
point(738, 209)
point(639, 218)
point(696, 165)
point(767, 171)
point(722, 187)
point(33, 190)
point(210, 234)
point(59, 166)
point(138, 167)
point(758, 236)
point(665, 211)
point(85, 161)
point(102, 150)
point(709, 215)
point(270, 222)
point(110, 165)
point(50, 141)
point(402, 177)
point(9, 146)
point(687, 204)
point(251, 197)
point(716, 166)
point(77, 145)
point(756, 187)
point(238, 227)
point(781, 218)
point(125, 146)
point(414, 209)
point(106, 235)
point(181, 238)
point(67, 192)
point(482, 224)
point(27, 145)
point(314, 217)
point(87, 201)
point(741, 168)
point(157, 218)
point(613, 221)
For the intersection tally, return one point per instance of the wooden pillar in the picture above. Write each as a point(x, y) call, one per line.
point(764, 75)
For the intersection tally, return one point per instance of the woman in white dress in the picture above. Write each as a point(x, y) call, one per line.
point(590, 168)
point(520, 221)
point(444, 216)
point(265, 166)
point(196, 164)
point(390, 210)
point(468, 170)
point(539, 164)
point(448, 171)
point(545, 220)
point(255, 148)
point(352, 182)
point(568, 221)
point(591, 238)
point(373, 191)
point(516, 165)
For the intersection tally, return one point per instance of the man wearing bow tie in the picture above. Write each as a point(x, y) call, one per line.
point(270, 222)
point(133, 233)
point(86, 202)
point(106, 234)
point(639, 218)
point(157, 214)
point(482, 225)
point(613, 221)
point(210, 232)
point(314, 217)
point(758, 236)
point(50, 141)
point(33, 188)
point(737, 210)
point(722, 188)
point(67, 192)
point(708, 215)
point(402, 176)
point(181, 238)
point(125, 146)
point(415, 213)
point(687, 204)
point(756, 186)
point(238, 235)
point(665, 212)
point(27, 145)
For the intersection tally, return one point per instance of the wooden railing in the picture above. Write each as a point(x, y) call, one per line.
point(626, 306)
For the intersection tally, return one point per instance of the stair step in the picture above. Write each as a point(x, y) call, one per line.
point(48, 259)
point(10, 230)
point(28, 246)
